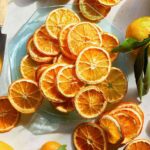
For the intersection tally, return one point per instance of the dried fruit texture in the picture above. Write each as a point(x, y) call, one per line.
point(35, 54)
point(24, 95)
point(44, 43)
point(109, 2)
point(9, 116)
point(58, 19)
point(67, 82)
point(88, 136)
point(110, 41)
point(83, 35)
point(93, 65)
point(64, 60)
point(138, 144)
point(28, 68)
point(93, 10)
point(90, 102)
point(115, 86)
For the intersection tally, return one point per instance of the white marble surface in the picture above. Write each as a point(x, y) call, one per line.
point(18, 13)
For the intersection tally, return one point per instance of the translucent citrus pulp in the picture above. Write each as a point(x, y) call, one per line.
point(47, 84)
point(63, 42)
point(110, 41)
point(82, 36)
point(35, 54)
point(24, 95)
point(88, 136)
point(5, 146)
point(58, 19)
point(9, 116)
point(112, 129)
point(93, 10)
point(138, 144)
point(109, 2)
point(90, 102)
point(44, 43)
point(51, 145)
point(115, 86)
point(93, 65)
point(64, 107)
point(67, 82)
point(28, 68)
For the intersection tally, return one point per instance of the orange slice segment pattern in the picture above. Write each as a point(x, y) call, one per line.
point(58, 19)
point(44, 43)
point(82, 36)
point(109, 2)
point(9, 116)
point(25, 96)
point(93, 10)
point(93, 65)
point(67, 82)
point(88, 136)
point(28, 68)
point(90, 102)
point(64, 60)
point(115, 86)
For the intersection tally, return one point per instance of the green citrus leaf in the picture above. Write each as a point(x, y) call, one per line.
point(62, 147)
point(130, 44)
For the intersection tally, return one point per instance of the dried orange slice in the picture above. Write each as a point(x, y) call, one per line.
point(28, 68)
point(133, 106)
point(58, 19)
point(47, 84)
point(109, 2)
point(25, 96)
point(115, 86)
point(88, 136)
point(67, 82)
point(9, 116)
point(82, 36)
point(130, 122)
point(64, 60)
point(93, 65)
point(110, 41)
point(112, 129)
point(44, 43)
point(90, 102)
point(138, 144)
point(35, 54)
point(40, 71)
point(93, 10)
point(65, 107)
point(63, 42)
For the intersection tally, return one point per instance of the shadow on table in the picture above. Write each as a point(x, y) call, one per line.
point(23, 3)
point(148, 129)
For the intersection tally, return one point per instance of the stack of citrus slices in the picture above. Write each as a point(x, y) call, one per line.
point(95, 10)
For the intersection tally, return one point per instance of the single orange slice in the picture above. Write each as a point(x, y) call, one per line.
point(93, 65)
point(82, 36)
point(112, 129)
point(88, 136)
point(44, 43)
point(90, 102)
point(67, 82)
point(110, 41)
point(48, 86)
point(9, 116)
point(138, 144)
point(109, 2)
point(93, 10)
point(64, 60)
point(133, 106)
point(115, 86)
point(51, 145)
point(35, 54)
point(63, 42)
point(58, 19)
point(25, 96)
point(65, 107)
point(40, 71)
point(5, 146)
point(130, 122)
point(28, 68)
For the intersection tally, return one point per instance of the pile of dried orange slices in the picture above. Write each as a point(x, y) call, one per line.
point(95, 10)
